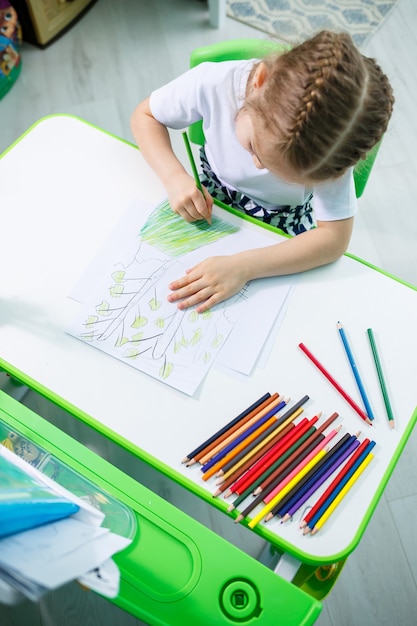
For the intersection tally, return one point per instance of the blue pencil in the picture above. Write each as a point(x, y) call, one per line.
point(338, 488)
point(220, 455)
point(355, 372)
point(318, 478)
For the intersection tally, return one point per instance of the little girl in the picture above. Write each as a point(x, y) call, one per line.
point(282, 136)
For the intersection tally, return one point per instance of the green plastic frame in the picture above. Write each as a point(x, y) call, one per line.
point(175, 571)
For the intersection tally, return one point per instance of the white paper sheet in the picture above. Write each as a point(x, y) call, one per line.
point(125, 310)
point(57, 553)
point(51, 555)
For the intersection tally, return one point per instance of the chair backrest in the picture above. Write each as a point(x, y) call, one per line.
point(256, 49)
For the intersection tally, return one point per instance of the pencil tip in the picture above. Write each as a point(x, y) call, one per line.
point(392, 424)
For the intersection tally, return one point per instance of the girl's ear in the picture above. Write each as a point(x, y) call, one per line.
point(259, 76)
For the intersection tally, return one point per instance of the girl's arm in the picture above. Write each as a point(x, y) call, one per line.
point(154, 142)
point(217, 278)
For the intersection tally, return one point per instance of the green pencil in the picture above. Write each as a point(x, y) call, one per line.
point(192, 162)
point(381, 378)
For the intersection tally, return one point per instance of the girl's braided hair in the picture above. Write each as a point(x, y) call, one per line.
point(325, 103)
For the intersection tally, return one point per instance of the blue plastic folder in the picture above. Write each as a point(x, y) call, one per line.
point(26, 502)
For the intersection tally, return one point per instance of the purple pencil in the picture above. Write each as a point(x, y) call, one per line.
point(314, 484)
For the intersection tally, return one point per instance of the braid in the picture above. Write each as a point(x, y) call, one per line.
point(326, 104)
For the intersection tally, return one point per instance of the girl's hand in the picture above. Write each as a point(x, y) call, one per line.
point(187, 200)
point(208, 283)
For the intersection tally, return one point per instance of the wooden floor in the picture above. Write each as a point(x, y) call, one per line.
point(99, 71)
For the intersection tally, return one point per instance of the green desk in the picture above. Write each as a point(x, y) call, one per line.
point(78, 181)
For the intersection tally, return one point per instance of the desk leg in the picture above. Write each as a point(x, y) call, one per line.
point(281, 563)
point(287, 567)
point(217, 12)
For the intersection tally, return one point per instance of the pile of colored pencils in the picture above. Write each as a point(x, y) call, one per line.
point(267, 453)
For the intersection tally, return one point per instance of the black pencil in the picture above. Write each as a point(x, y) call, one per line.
point(225, 428)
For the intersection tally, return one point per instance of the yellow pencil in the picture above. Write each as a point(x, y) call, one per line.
point(266, 509)
point(342, 494)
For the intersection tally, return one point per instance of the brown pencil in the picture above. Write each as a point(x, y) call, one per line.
point(263, 486)
point(225, 483)
point(227, 429)
point(255, 415)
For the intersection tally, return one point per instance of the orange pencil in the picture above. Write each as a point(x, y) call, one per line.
point(236, 472)
point(228, 429)
point(247, 422)
point(215, 468)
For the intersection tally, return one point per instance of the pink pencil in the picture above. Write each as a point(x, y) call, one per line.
point(302, 464)
point(335, 384)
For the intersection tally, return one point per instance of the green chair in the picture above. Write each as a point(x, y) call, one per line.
point(253, 49)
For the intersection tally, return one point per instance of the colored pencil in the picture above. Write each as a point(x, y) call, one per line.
point(272, 480)
point(284, 464)
point(282, 423)
point(298, 487)
point(335, 384)
point(215, 469)
point(335, 487)
point(191, 455)
point(317, 448)
point(268, 488)
point(236, 430)
point(220, 472)
point(243, 435)
point(293, 442)
point(265, 462)
point(292, 505)
point(249, 457)
point(319, 524)
point(306, 446)
point(333, 456)
point(192, 161)
point(355, 371)
point(250, 489)
point(381, 378)
point(268, 507)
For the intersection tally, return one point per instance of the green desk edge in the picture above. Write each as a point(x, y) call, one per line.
point(175, 571)
point(261, 530)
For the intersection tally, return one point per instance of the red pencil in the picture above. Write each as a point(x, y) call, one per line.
point(335, 384)
point(334, 483)
point(266, 461)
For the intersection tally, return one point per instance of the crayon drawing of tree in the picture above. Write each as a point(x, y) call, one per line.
point(132, 318)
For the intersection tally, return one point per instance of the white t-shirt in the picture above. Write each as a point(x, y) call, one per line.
point(214, 92)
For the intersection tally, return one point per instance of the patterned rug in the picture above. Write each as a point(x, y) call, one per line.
point(292, 21)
